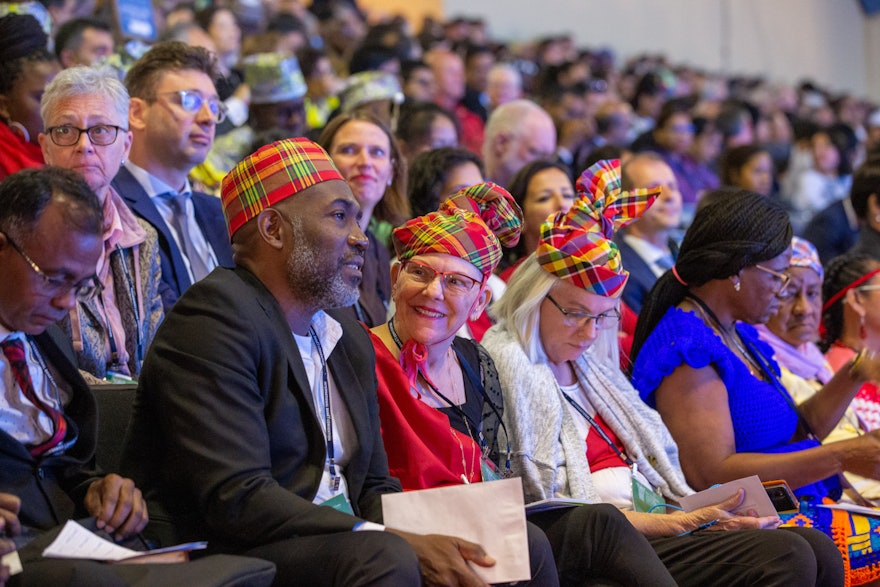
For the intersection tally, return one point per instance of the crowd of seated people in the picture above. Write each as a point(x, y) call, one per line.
point(165, 223)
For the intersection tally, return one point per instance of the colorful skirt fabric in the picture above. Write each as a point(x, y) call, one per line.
point(857, 538)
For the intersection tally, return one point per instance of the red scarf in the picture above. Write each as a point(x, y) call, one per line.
point(424, 451)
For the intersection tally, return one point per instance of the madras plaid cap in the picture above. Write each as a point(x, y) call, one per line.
point(804, 254)
point(274, 173)
point(577, 246)
point(472, 224)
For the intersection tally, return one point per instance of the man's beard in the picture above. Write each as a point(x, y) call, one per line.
point(322, 287)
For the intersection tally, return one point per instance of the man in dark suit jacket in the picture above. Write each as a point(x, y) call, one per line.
point(173, 115)
point(248, 375)
point(50, 241)
point(647, 248)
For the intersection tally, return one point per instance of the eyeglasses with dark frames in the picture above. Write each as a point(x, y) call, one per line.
point(101, 135)
point(192, 101)
point(54, 286)
point(782, 279)
point(580, 319)
point(454, 283)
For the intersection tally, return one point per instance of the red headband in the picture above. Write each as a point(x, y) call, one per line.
point(833, 299)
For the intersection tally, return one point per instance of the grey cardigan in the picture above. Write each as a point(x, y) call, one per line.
point(547, 451)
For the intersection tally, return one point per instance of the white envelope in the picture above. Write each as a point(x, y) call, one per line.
point(756, 498)
point(489, 514)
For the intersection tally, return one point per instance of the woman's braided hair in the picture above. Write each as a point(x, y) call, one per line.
point(839, 273)
point(21, 40)
point(732, 233)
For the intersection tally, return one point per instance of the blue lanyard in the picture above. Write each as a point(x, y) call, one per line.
point(328, 416)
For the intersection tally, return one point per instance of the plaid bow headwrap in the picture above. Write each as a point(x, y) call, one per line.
point(271, 175)
point(577, 246)
point(468, 225)
point(804, 254)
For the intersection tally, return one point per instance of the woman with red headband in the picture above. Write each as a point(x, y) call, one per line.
point(851, 323)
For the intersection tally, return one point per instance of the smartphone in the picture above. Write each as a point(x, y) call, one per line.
point(781, 496)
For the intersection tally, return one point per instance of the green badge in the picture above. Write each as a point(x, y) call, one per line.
point(339, 503)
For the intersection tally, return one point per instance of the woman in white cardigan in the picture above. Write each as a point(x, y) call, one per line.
point(578, 429)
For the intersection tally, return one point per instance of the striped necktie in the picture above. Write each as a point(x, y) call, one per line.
point(15, 354)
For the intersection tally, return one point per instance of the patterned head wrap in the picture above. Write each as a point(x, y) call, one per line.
point(274, 173)
point(472, 224)
point(577, 246)
point(804, 254)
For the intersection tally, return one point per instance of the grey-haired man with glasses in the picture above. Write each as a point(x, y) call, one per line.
point(173, 115)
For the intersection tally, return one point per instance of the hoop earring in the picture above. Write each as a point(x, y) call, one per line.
point(863, 332)
point(19, 129)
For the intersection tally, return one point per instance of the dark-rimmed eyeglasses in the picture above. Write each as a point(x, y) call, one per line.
point(454, 283)
point(192, 101)
point(602, 321)
point(55, 286)
point(782, 280)
point(101, 135)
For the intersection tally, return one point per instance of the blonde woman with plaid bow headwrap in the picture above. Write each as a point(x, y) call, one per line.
point(578, 429)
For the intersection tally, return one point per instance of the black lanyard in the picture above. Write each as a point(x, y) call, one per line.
point(477, 384)
point(595, 425)
point(761, 362)
point(328, 416)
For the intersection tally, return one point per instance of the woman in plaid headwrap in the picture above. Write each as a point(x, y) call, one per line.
point(578, 429)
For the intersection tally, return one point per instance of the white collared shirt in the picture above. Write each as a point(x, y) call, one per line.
point(156, 190)
point(329, 332)
point(18, 416)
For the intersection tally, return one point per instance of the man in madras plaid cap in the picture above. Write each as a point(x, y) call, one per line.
point(256, 406)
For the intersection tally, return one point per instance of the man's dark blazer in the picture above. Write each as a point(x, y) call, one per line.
point(209, 215)
point(52, 488)
point(224, 434)
point(831, 233)
point(641, 277)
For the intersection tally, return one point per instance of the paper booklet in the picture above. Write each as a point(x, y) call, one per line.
point(76, 542)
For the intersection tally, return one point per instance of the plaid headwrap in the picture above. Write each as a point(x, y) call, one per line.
point(468, 225)
point(271, 175)
point(577, 246)
point(804, 254)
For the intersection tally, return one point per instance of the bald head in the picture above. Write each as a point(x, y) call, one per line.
point(648, 170)
point(517, 133)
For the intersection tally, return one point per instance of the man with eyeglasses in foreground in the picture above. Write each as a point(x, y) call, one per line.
point(50, 241)
point(173, 115)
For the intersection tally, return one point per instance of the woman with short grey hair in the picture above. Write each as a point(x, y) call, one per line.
point(85, 117)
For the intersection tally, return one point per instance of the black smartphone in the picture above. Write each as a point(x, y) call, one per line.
point(781, 496)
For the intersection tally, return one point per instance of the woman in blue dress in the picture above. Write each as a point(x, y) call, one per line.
point(700, 363)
